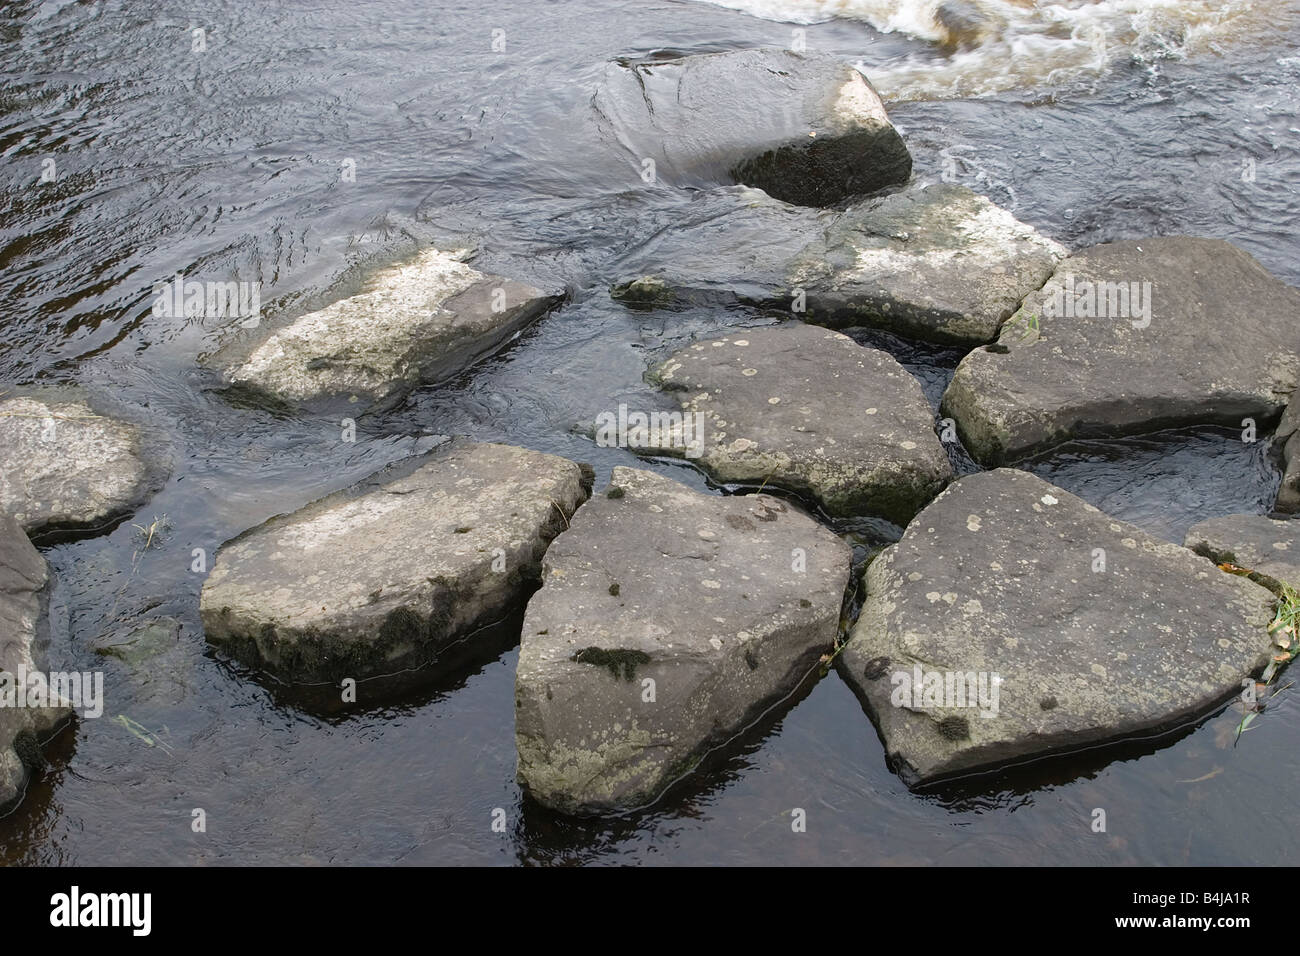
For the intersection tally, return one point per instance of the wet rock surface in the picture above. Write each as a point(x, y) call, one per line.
point(67, 467)
point(1131, 337)
point(805, 127)
point(24, 635)
point(1267, 546)
point(1014, 620)
point(416, 322)
point(809, 410)
point(938, 263)
point(385, 574)
point(668, 620)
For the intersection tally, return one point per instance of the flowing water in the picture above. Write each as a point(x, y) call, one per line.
point(1092, 121)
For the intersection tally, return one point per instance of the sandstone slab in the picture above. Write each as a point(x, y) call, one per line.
point(668, 621)
point(809, 410)
point(1131, 337)
point(938, 263)
point(1013, 620)
point(1267, 546)
point(384, 575)
point(416, 322)
point(66, 467)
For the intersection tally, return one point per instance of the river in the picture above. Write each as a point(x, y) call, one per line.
point(218, 154)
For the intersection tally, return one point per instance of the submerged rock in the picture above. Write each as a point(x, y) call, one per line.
point(939, 263)
point(160, 665)
point(806, 128)
point(65, 467)
point(809, 410)
point(416, 322)
point(1068, 628)
point(1131, 337)
point(386, 574)
point(24, 634)
point(668, 620)
point(1266, 546)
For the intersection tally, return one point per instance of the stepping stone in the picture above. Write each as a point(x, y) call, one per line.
point(937, 263)
point(388, 573)
point(24, 635)
point(66, 467)
point(1061, 628)
point(805, 127)
point(1131, 337)
point(1267, 546)
point(667, 622)
point(416, 322)
point(809, 410)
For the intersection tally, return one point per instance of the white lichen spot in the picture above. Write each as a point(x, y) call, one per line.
point(972, 522)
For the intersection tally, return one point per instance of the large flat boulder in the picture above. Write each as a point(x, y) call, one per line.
point(415, 322)
point(1131, 337)
point(386, 574)
point(805, 127)
point(1265, 546)
point(938, 263)
point(809, 410)
point(66, 467)
point(24, 634)
point(668, 620)
point(1067, 627)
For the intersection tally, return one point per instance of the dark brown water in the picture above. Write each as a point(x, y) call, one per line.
point(225, 165)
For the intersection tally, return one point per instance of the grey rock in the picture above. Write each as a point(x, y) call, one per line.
point(65, 466)
point(943, 264)
point(24, 636)
point(1288, 494)
point(997, 578)
point(416, 322)
point(695, 593)
point(939, 263)
point(388, 573)
point(160, 665)
point(809, 410)
point(1219, 343)
point(806, 128)
point(1266, 546)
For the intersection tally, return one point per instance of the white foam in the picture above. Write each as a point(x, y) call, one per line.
point(1025, 43)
